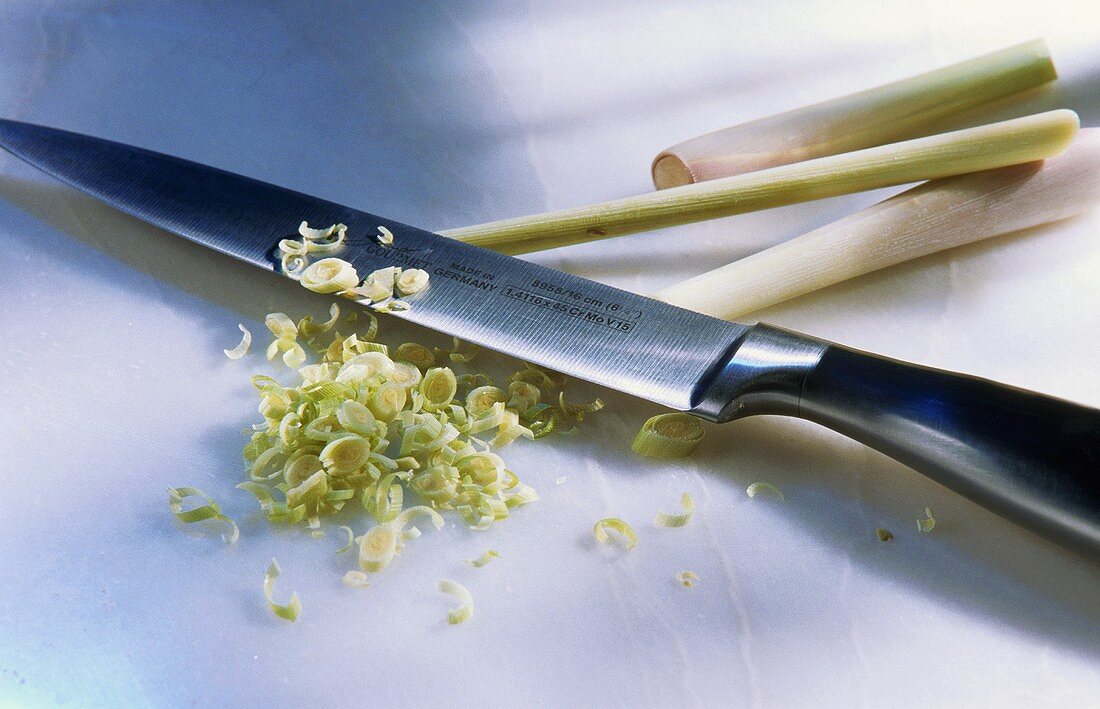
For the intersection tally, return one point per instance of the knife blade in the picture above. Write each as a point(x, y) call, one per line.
point(1024, 455)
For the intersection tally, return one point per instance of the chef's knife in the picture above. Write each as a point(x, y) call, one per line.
point(1032, 458)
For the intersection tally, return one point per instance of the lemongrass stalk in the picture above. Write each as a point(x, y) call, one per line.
point(929, 218)
point(884, 114)
point(970, 150)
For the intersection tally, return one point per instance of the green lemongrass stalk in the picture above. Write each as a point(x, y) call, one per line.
point(898, 111)
point(973, 149)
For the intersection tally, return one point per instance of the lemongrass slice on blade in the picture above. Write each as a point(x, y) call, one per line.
point(329, 275)
point(412, 280)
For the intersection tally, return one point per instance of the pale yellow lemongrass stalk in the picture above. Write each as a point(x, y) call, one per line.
point(983, 148)
point(937, 215)
point(898, 111)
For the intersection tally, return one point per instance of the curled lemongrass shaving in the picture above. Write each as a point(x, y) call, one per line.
point(929, 523)
point(209, 510)
point(310, 234)
point(754, 489)
point(385, 236)
point(483, 559)
point(329, 275)
point(291, 610)
point(281, 326)
point(577, 411)
point(241, 349)
point(672, 435)
point(466, 609)
point(412, 280)
point(664, 519)
point(687, 578)
point(307, 328)
point(326, 243)
point(378, 285)
point(356, 579)
point(462, 357)
point(623, 530)
point(351, 539)
point(884, 535)
point(407, 516)
point(295, 356)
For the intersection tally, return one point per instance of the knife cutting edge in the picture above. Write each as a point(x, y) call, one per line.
point(1031, 458)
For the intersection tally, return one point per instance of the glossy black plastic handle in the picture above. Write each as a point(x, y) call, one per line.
point(1032, 458)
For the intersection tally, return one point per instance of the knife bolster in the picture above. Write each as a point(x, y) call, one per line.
point(763, 374)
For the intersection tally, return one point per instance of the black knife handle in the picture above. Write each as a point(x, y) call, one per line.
point(1032, 458)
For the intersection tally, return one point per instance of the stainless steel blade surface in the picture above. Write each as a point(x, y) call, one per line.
point(563, 322)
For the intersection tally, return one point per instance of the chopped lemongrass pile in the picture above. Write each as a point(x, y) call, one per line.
point(364, 426)
point(289, 611)
point(371, 428)
point(884, 535)
point(208, 510)
point(483, 559)
point(665, 519)
point(687, 578)
point(758, 487)
point(672, 435)
point(242, 349)
point(623, 532)
point(466, 609)
point(927, 524)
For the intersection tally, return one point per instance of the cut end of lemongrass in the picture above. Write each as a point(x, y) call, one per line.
point(936, 100)
point(623, 532)
point(687, 578)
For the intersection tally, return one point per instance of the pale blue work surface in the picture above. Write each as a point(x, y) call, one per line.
point(116, 387)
